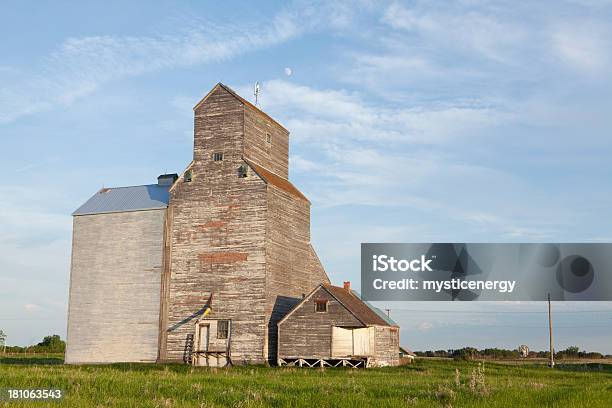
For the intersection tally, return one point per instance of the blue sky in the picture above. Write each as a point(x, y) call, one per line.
point(468, 121)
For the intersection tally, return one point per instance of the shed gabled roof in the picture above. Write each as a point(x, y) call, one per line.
point(351, 300)
point(407, 351)
point(364, 311)
point(276, 180)
point(122, 199)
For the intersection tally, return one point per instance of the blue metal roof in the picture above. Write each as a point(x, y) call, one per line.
point(121, 199)
point(376, 310)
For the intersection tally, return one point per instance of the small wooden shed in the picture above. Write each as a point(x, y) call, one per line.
point(406, 356)
point(332, 326)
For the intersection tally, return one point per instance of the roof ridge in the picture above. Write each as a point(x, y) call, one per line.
point(283, 183)
point(354, 295)
point(230, 90)
point(347, 307)
point(137, 185)
point(251, 161)
point(241, 99)
point(334, 286)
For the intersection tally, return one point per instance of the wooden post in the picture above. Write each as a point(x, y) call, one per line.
point(228, 350)
point(551, 364)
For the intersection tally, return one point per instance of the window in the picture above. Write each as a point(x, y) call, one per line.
point(268, 138)
point(321, 306)
point(243, 171)
point(217, 156)
point(222, 329)
point(188, 176)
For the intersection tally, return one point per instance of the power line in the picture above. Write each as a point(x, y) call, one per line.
point(31, 319)
point(498, 312)
point(484, 326)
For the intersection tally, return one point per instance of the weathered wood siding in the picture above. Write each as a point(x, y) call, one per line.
point(273, 155)
point(113, 312)
point(217, 238)
point(353, 342)
point(293, 268)
point(308, 334)
point(246, 241)
point(387, 346)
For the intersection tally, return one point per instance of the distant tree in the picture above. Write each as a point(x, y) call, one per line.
point(51, 344)
point(543, 354)
point(466, 353)
point(572, 351)
point(471, 353)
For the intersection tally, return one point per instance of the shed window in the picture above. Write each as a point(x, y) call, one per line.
point(321, 306)
point(222, 329)
point(217, 156)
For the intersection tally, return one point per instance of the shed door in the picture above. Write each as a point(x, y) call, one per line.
point(342, 342)
point(363, 341)
point(203, 337)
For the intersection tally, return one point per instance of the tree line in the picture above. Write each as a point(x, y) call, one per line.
point(471, 353)
point(50, 344)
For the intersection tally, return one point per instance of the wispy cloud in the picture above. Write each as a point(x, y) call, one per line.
point(424, 326)
point(340, 115)
point(36, 165)
point(583, 45)
point(31, 307)
point(81, 65)
point(381, 156)
point(484, 34)
point(481, 50)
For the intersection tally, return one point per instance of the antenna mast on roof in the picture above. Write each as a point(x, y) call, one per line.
point(256, 93)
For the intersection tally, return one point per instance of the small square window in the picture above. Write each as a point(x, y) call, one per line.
point(243, 171)
point(222, 329)
point(217, 156)
point(268, 138)
point(188, 176)
point(321, 306)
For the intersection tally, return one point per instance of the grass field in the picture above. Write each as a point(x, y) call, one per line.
point(426, 383)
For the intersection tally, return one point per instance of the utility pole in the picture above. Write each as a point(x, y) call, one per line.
point(551, 364)
point(388, 312)
point(3, 341)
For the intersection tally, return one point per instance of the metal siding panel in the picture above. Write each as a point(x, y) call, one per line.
point(115, 287)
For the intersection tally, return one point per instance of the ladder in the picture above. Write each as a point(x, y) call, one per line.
point(188, 352)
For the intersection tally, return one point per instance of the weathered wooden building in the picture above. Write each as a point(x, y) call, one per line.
point(115, 279)
point(332, 326)
point(199, 267)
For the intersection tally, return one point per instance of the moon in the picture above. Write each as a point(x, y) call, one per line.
point(288, 71)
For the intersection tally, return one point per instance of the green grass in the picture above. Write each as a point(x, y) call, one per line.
point(425, 383)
